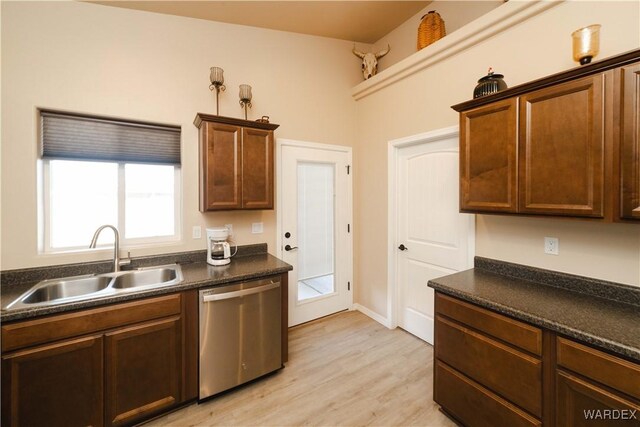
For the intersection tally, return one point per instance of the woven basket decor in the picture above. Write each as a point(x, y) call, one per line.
point(431, 29)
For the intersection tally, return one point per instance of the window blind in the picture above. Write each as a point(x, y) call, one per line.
point(71, 136)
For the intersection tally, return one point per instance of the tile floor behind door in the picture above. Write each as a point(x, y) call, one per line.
point(343, 370)
point(315, 287)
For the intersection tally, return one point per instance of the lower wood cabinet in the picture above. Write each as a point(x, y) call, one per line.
point(143, 366)
point(492, 370)
point(58, 384)
point(584, 403)
point(594, 387)
point(131, 361)
point(509, 372)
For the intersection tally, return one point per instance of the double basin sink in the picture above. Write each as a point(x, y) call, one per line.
point(79, 288)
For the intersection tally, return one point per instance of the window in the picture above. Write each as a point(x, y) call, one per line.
point(88, 181)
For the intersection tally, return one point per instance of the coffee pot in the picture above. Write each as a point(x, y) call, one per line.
point(218, 249)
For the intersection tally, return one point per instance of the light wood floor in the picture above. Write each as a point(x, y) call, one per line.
point(343, 370)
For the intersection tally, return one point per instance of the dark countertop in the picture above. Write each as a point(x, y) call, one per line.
point(196, 274)
point(611, 324)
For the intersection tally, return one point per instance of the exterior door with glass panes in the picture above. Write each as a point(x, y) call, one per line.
point(316, 230)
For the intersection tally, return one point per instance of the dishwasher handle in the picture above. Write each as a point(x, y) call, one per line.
point(240, 293)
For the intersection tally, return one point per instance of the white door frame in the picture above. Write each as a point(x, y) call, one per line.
point(280, 143)
point(392, 224)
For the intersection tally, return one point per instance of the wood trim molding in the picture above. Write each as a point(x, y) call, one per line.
point(200, 117)
point(493, 23)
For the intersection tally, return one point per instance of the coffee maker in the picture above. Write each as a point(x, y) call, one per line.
point(218, 249)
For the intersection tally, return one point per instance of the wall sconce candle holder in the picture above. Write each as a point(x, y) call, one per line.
point(586, 43)
point(217, 84)
point(245, 98)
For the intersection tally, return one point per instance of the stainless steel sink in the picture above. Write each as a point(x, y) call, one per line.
point(163, 276)
point(65, 289)
point(79, 288)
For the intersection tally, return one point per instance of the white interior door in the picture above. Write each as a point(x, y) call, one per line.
point(432, 238)
point(315, 229)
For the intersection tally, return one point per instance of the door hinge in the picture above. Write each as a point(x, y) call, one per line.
point(348, 228)
point(348, 169)
point(348, 286)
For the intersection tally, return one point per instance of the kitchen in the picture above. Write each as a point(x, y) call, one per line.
point(115, 62)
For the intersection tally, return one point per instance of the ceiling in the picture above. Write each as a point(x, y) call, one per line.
point(361, 21)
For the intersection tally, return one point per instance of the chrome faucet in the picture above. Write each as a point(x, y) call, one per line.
point(116, 246)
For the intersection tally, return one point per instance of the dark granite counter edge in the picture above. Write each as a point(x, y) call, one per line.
point(28, 313)
point(585, 285)
point(541, 322)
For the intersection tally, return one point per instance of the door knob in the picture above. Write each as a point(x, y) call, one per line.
point(287, 234)
point(290, 248)
point(403, 247)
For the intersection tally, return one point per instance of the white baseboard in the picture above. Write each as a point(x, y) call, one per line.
point(372, 314)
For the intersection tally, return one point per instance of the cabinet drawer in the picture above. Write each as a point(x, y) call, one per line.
point(473, 404)
point(609, 370)
point(520, 334)
point(513, 375)
point(52, 328)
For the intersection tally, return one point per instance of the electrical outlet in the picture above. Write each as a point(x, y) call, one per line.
point(230, 228)
point(257, 227)
point(551, 245)
point(196, 232)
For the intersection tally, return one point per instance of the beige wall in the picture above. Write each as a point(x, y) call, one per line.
point(421, 102)
point(109, 61)
point(456, 14)
point(116, 62)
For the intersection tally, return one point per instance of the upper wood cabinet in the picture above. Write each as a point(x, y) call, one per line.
point(257, 169)
point(561, 149)
point(564, 145)
point(488, 157)
point(236, 163)
point(220, 167)
point(628, 103)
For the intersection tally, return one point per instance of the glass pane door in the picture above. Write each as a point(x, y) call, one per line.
point(316, 237)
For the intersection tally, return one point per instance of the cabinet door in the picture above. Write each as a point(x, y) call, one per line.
point(629, 90)
point(581, 403)
point(561, 156)
point(257, 169)
point(144, 369)
point(488, 158)
point(220, 168)
point(54, 385)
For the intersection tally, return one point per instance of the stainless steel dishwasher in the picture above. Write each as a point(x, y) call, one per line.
point(240, 333)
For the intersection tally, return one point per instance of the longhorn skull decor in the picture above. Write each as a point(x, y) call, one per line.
point(370, 61)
